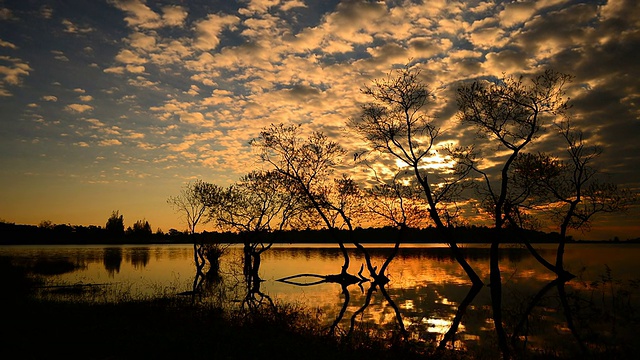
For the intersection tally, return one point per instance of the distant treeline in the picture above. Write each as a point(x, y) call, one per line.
point(15, 234)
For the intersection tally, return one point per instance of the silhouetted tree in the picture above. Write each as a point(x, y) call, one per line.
point(570, 189)
point(308, 165)
point(46, 224)
point(258, 202)
point(255, 206)
point(115, 224)
point(140, 229)
point(193, 201)
point(395, 125)
point(510, 113)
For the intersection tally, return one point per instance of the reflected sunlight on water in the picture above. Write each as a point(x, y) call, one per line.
point(425, 289)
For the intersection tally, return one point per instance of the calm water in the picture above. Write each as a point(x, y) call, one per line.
point(424, 293)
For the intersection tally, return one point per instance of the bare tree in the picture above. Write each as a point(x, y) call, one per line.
point(256, 203)
point(193, 201)
point(511, 113)
point(396, 203)
point(309, 164)
point(571, 190)
point(395, 124)
point(192, 204)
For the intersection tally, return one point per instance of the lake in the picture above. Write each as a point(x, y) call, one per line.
point(425, 290)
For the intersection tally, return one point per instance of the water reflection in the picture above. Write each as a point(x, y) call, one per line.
point(377, 282)
point(112, 259)
point(139, 257)
point(418, 292)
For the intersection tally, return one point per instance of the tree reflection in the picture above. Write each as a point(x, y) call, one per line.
point(449, 336)
point(254, 299)
point(139, 257)
point(112, 259)
point(207, 279)
point(343, 279)
point(519, 337)
point(378, 281)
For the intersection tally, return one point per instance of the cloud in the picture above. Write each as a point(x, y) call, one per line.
point(78, 108)
point(7, 44)
point(516, 13)
point(135, 135)
point(115, 70)
point(71, 28)
point(49, 98)
point(13, 71)
point(46, 12)
point(142, 41)
point(195, 118)
point(110, 142)
point(180, 147)
point(174, 15)
point(95, 122)
point(7, 14)
point(139, 14)
point(135, 69)
point(208, 30)
point(291, 4)
point(129, 57)
point(85, 98)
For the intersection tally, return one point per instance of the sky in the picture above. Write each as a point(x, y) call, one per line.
point(116, 104)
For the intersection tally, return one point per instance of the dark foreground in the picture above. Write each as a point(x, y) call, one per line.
point(166, 329)
point(173, 327)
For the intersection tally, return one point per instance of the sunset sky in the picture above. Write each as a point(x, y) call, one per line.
point(115, 104)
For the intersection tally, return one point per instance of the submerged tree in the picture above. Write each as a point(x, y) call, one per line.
point(395, 124)
point(510, 113)
point(192, 203)
point(255, 206)
point(570, 189)
point(308, 165)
